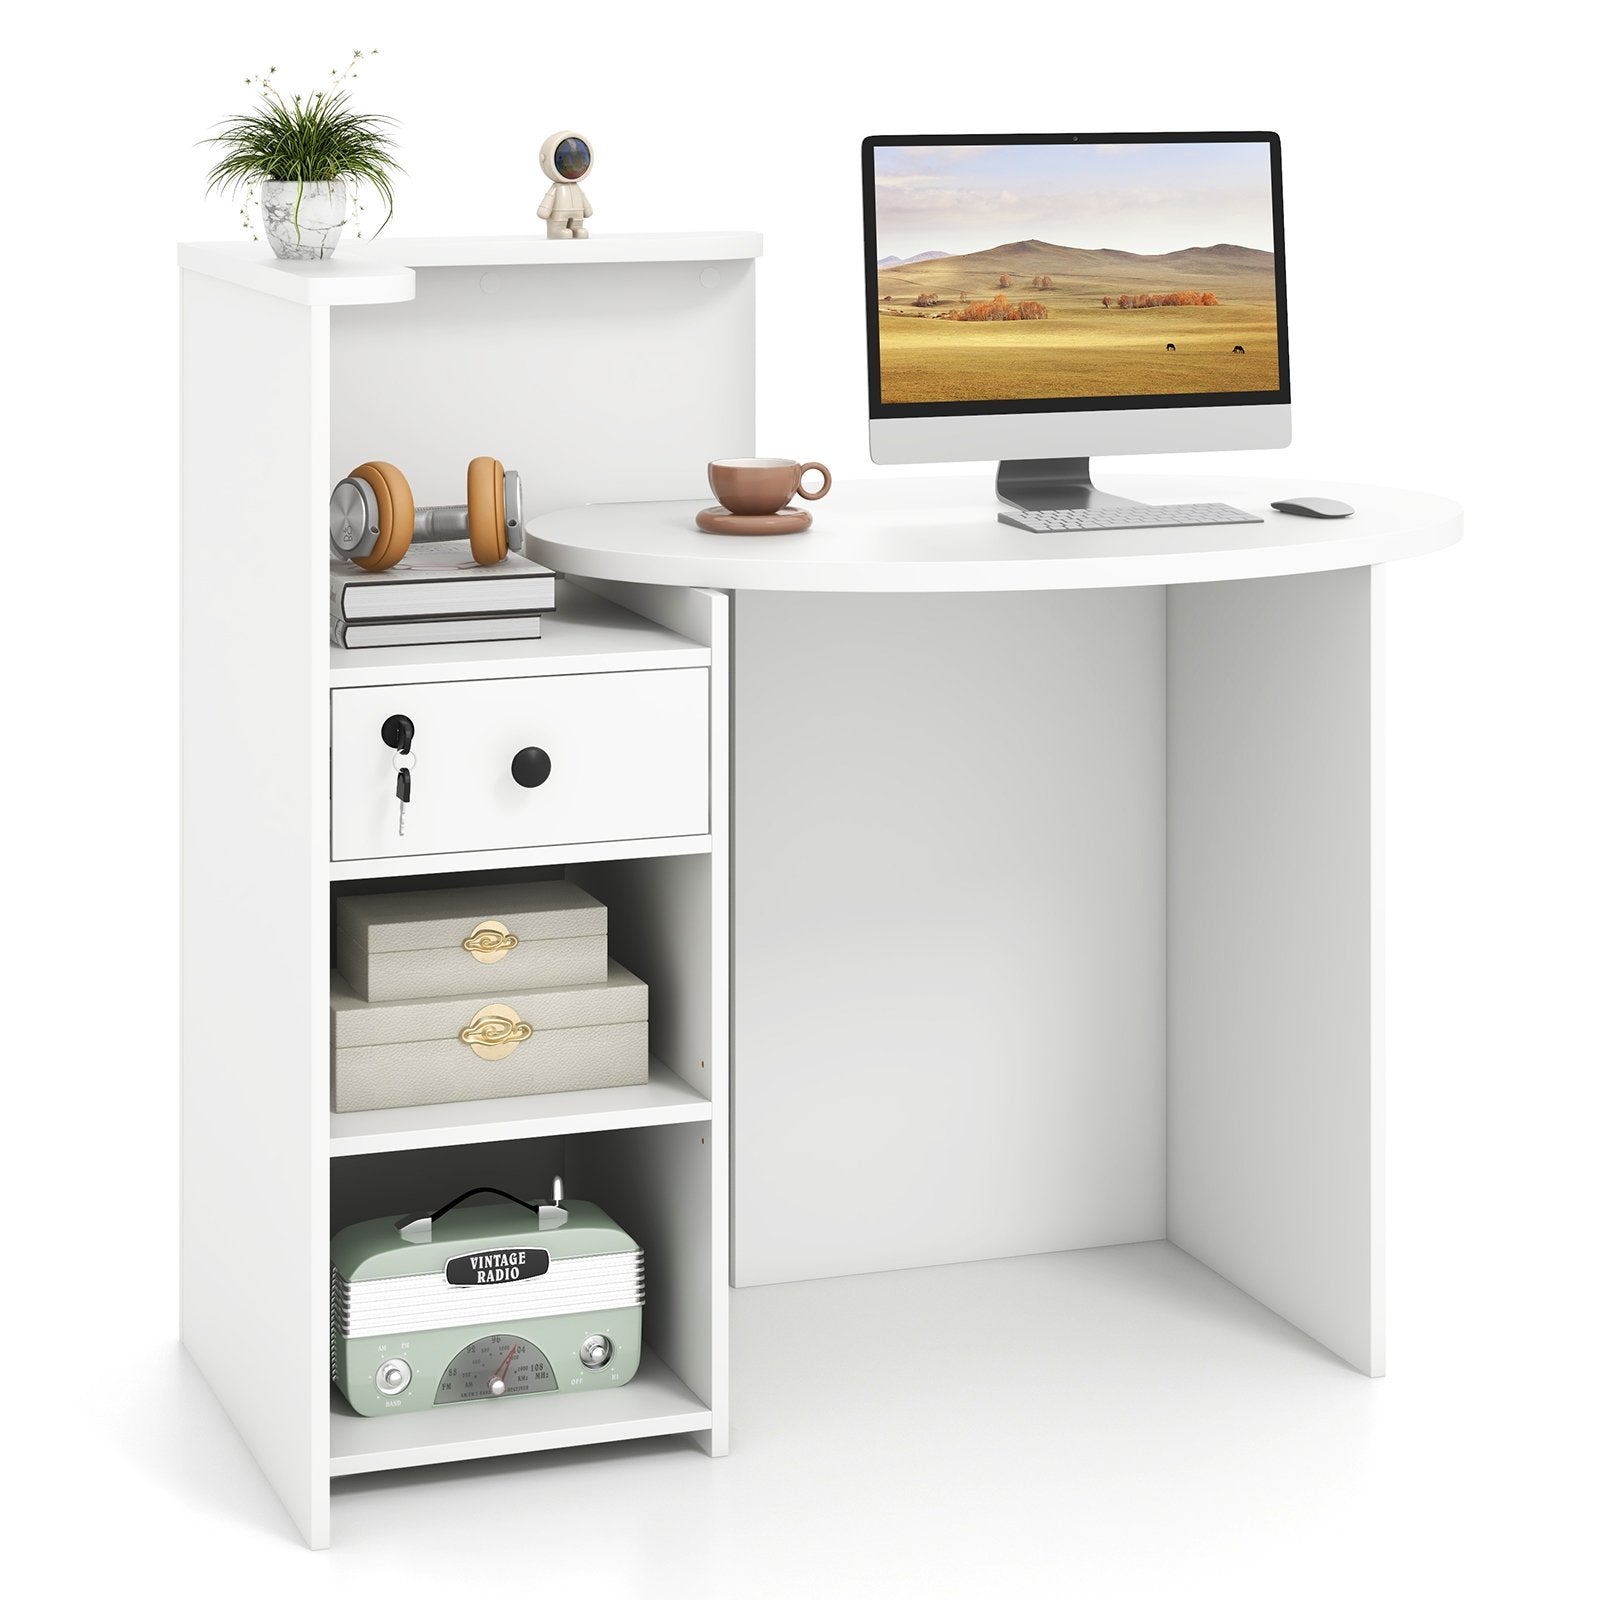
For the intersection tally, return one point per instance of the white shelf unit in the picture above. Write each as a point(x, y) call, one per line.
point(425, 356)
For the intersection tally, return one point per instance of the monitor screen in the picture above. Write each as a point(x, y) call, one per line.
point(1074, 272)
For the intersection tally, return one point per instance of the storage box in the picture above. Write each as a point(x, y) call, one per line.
point(534, 1041)
point(435, 942)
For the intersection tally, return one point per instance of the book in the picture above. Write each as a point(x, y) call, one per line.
point(374, 633)
point(441, 580)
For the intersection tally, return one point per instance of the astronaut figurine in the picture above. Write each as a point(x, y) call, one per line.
point(565, 158)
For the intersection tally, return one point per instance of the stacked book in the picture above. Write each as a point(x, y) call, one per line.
point(438, 595)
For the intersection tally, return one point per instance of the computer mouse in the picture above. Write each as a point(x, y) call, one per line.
point(1311, 505)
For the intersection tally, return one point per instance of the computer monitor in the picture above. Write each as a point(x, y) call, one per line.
point(1038, 299)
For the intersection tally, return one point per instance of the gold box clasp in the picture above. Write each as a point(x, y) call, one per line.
point(490, 941)
point(495, 1032)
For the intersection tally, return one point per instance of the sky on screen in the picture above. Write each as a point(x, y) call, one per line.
point(1147, 198)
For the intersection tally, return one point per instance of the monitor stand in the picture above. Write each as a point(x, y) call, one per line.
point(1059, 484)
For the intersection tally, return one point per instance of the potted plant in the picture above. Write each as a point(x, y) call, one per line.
point(308, 156)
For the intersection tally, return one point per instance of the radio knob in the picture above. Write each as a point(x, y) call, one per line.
point(393, 1376)
point(595, 1351)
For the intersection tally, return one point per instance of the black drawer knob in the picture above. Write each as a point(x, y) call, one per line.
point(530, 767)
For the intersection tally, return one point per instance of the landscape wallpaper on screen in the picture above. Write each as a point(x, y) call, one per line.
point(1048, 271)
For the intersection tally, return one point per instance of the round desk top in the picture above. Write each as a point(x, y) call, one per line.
point(900, 535)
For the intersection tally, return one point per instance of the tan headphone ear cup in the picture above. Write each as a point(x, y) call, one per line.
point(486, 510)
point(397, 513)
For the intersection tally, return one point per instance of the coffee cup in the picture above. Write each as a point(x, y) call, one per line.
point(757, 486)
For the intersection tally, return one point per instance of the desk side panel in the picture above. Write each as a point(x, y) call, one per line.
point(1275, 1094)
point(254, 899)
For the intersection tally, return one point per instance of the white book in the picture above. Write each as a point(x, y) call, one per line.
point(373, 634)
point(440, 580)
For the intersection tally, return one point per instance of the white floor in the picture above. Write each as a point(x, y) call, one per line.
point(1117, 1422)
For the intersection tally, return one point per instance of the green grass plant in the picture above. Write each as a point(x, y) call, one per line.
point(312, 138)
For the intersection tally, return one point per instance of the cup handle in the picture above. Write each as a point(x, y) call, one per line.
point(812, 466)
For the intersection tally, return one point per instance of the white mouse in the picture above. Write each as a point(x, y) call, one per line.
point(1312, 506)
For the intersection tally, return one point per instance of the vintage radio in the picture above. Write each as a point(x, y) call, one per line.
point(484, 1302)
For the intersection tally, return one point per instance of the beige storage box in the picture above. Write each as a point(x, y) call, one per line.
point(535, 1041)
point(435, 942)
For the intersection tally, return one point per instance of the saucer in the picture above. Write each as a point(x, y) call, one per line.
point(714, 519)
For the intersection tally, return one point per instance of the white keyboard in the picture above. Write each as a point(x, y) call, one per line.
point(1197, 516)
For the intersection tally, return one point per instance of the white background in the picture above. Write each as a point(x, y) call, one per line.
point(1444, 329)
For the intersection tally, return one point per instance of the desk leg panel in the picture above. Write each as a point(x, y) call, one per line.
point(949, 944)
point(1275, 1094)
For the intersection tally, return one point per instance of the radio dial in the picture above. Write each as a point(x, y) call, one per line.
point(393, 1376)
point(595, 1351)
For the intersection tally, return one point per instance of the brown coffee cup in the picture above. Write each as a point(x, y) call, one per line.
point(757, 486)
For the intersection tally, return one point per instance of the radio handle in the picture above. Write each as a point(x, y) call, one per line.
point(419, 1229)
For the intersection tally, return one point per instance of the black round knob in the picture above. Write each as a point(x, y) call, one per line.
point(530, 767)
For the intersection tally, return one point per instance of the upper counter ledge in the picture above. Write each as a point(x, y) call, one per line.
point(381, 271)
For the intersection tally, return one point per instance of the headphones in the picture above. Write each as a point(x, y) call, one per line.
point(373, 521)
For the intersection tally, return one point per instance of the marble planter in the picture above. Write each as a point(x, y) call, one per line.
point(311, 234)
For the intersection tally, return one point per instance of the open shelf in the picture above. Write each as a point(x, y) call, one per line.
point(665, 1098)
point(584, 633)
point(656, 1402)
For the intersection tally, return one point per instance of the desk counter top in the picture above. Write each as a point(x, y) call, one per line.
point(900, 535)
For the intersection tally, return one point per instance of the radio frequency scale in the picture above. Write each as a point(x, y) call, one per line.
point(484, 1302)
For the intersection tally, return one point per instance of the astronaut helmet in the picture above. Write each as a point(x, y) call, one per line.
point(565, 157)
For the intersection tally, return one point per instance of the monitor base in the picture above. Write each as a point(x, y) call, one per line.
point(1059, 484)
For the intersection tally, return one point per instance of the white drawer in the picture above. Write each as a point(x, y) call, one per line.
point(628, 759)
